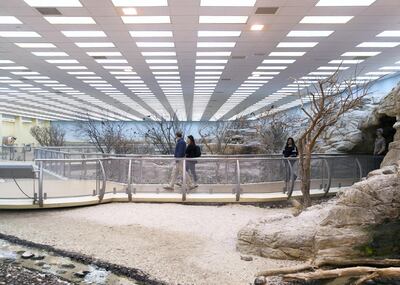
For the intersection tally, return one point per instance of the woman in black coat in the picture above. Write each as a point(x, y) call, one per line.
point(191, 152)
point(290, 151)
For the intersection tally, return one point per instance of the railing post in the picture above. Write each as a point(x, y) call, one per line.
point(130, 181)
point(141, 172)
point(226, 172)
point(328, 185)
point(84, 168)
point(40, 190)
point(102, 190)
point(237, 180)
point(184, 178)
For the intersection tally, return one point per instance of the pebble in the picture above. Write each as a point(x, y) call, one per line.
point(260, 281)
point(246, 258)
point(27, 255)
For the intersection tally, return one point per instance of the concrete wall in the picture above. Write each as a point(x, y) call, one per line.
point(19, 127)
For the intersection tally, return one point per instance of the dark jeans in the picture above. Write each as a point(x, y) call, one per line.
point(191, 168)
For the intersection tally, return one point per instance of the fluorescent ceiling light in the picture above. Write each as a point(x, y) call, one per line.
point(242, 3)
point(13, 67)
point(346, 61)
point(345, 2)
point(309, 33)
point(62, 61)
point(150, 34)
point(35, 45)
point(266, 72)
point(361, 53)
point(296, 44)
point(165, 72)
point(111, 61)
point(129, 11)
point(223, 19)
point(379, 73)
point(139, 3)
point(379, 44)
point(124, 67)
point(158, 53)
point(389, 34)
point(103, 53)
point(208, 72)
point(163, 67)
point(256, 27)
point(19, 34)
point(146, 19)
point(299, 53)
point(211, 61)
point(214, 53)
point(50, 53)
point(94, 45)
point(72, 67)
point(210, 67)
point(278, 61)
point(9, 20)
point(84, 34)
point(322, 73)
point(215, 44)
point(81, 72)
point(218, 33)
point(53, 3)
point(325, 19)
point(272, 67)
point(5, 61)
point(333, 67)
point(70, 20)
point(152, 61)
point(390, 68)
point(155, 44)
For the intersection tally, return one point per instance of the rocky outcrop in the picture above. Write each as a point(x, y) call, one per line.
point(343, 228)
point(355, 131)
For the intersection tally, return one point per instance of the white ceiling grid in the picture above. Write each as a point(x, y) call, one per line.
point(200, 59)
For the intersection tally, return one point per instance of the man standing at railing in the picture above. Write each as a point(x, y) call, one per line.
point(180, 149)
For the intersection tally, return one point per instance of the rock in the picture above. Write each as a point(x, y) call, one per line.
point(260, 281)
point(345, 227)
point(61, 272)
point(38, 257)
point(46, 266)
point(40, 263)
point(81, 274)
point(27, 255)
point(67, 265)
point(246, 258)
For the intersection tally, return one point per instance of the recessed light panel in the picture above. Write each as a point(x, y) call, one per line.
point(325, 19)
point(242, 3)
point(139, 3)
point(50, 53)
point(155, 44)
point(223, 19)
point(296, 44)
point(150, 34)
point(103, 53)
point(53, 3)
point(70, 20)
point(389, 34)
point(309, 33)
point(345, 2)
point(278, 61)
point(346, 61)
point(158, 53)
point(94, 45)
point(9, 20)
point(84, 34)
point(299, 53)
point(379, 44)
point(35, 45)
point(19, 34)
point(146, 19)
point(361, 53)
point(215, 44)
point(216, 53)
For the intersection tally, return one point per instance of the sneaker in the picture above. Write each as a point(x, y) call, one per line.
point(168, 188)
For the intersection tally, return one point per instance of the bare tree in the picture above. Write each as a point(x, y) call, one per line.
point(273, 130)
point(161, 133)
point(107, 136)
point(217, 136)
point(49, 135)
point(323, 103)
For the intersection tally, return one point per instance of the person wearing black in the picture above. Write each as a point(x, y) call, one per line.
point(290, 151)
point(192, 151)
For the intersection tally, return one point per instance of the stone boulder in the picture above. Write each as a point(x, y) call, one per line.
point(343, 228)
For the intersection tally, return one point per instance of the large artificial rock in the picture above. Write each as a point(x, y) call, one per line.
point(340, 229)
point(355, 131)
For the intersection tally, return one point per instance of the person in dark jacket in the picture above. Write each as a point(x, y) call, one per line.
point(290, 148)
point(290, 151)
point(191, 152)
point(180, 151)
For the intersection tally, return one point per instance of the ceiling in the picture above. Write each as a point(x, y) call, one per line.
point(94, 58)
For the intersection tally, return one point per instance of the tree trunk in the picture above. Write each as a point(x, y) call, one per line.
point(305, 172)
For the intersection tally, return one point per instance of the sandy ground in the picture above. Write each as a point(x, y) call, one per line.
point(179, 244)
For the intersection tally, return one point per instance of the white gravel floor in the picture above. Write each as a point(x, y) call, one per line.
point(179, 244)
